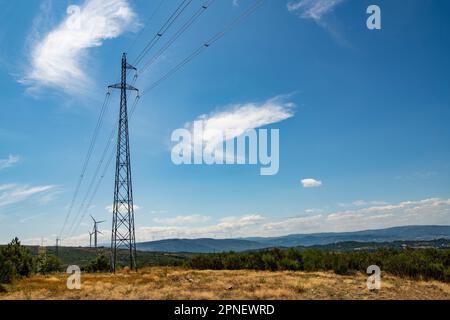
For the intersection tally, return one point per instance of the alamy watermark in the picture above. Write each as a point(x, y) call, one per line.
point(200, 145)
point(74, 280)
point(374, 20)
point(374, 279)
point(77, 20)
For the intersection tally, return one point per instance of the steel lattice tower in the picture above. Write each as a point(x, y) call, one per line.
point(123, 232)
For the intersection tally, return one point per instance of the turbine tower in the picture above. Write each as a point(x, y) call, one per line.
point(90, 239)
point(123, 232)
point(95, 232)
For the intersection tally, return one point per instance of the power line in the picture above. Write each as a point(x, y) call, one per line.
point(188, 59)
point(169, 22)
point(146, 26)
point(183, 5)
point(206, 45)
point(87, 158)
point(179, 33)
point(85, 205)
point(212, 40)
point(106, 152)
point(142, 31)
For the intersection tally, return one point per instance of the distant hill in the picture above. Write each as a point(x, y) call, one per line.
point(407, 233)
point(373, 246)
point(200, 245)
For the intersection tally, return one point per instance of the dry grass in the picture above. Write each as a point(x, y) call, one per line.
point(174, 283)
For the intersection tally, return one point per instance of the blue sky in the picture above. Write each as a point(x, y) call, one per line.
point(369, 126)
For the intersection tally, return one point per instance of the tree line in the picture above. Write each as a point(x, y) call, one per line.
point(424, 264)
point(17, 261)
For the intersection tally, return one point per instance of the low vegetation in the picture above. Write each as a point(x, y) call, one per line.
point(98, 264)
point(428, 264)
point(82, 256)
point(172, 283)
point(269, 274)
point(16, 261)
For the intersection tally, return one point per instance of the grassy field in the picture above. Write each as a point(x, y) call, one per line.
point(170, 283)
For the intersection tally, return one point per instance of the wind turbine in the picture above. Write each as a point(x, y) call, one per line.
point(96, 231)
point(90, 238)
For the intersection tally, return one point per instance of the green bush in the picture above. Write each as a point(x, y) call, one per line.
point(6, 270)
point(98, 264)
point(46, 264)
point(15, 262)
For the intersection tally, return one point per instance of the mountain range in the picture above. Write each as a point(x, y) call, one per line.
point(205, 245)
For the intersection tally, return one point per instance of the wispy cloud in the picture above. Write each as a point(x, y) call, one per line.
point(237, 119)
point(9, 162)
point(317, 10)
point(361, 203)
point(307, 222)
point(311, 183)
point(13, 193)
point(418, 212)
point(31, 218)
point(182, 220)
point(59, 58)
point(313, 9)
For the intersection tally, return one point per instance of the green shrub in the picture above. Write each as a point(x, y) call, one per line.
point(46, 264)
point(7, 272)
point(15, 262)
point(98, 264)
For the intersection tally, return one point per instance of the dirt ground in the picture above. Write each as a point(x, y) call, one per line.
point(173, 283)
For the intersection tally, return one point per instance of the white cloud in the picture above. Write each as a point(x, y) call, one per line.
point(122, 207)
point(432, 211)
point(312, 9)
point(237, 222)
point(317, 11)
point(311, 183)
point(9, 162)
point(237, 119)
point(31, 218)
point(307, 222)
point(224, 228)
point(421, 212)
point(12, 193)
point(60, 57)
point(361, 203)
point(182, 220)
point(427, 211)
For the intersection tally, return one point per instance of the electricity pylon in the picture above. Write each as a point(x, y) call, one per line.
point(123, 232)
point(42, 249)
point(96, 231)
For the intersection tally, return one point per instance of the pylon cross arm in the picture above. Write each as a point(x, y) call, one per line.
point(130, 67)
point(119, 86)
